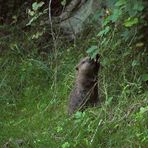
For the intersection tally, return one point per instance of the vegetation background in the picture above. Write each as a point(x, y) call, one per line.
point(37, 74)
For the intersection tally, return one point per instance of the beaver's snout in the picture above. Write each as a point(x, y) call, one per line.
point(94, 60)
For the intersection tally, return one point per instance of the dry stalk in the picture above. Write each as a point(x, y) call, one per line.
point(55, 49)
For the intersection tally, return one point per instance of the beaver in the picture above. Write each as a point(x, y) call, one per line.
point(85, 91)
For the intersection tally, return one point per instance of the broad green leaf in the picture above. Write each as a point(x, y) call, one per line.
point(145, 77)
point(31, 13)
point(63, 2)
point(138, 6)
point(36, 6)
point(134, 7)
point(78, 115)
point(120, 3)
point(104, 32)
point(94, 54)
point(130, 22)
point(91, 49)
point(66, 145)
point(106, 20)
point(59, 129)
point(116, 14)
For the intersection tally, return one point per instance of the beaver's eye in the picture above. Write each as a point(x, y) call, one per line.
point(83, 62)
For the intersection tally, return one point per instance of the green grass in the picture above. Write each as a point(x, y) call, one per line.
point(34, 99)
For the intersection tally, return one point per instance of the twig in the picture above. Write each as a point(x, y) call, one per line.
point(55, 47)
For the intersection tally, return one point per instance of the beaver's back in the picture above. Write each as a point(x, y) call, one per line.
point(85, 91)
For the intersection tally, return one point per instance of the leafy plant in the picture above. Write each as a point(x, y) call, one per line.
point(34, 13)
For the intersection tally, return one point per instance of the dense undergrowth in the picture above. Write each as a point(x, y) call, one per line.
point(35, 87)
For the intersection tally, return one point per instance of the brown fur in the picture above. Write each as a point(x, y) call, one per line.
point(85, 91)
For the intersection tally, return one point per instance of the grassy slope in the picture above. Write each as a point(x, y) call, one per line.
point(34, 106)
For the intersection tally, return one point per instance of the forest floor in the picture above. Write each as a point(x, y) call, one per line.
point(34, 100)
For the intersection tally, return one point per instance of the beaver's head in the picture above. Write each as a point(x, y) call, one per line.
point(88, 66)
